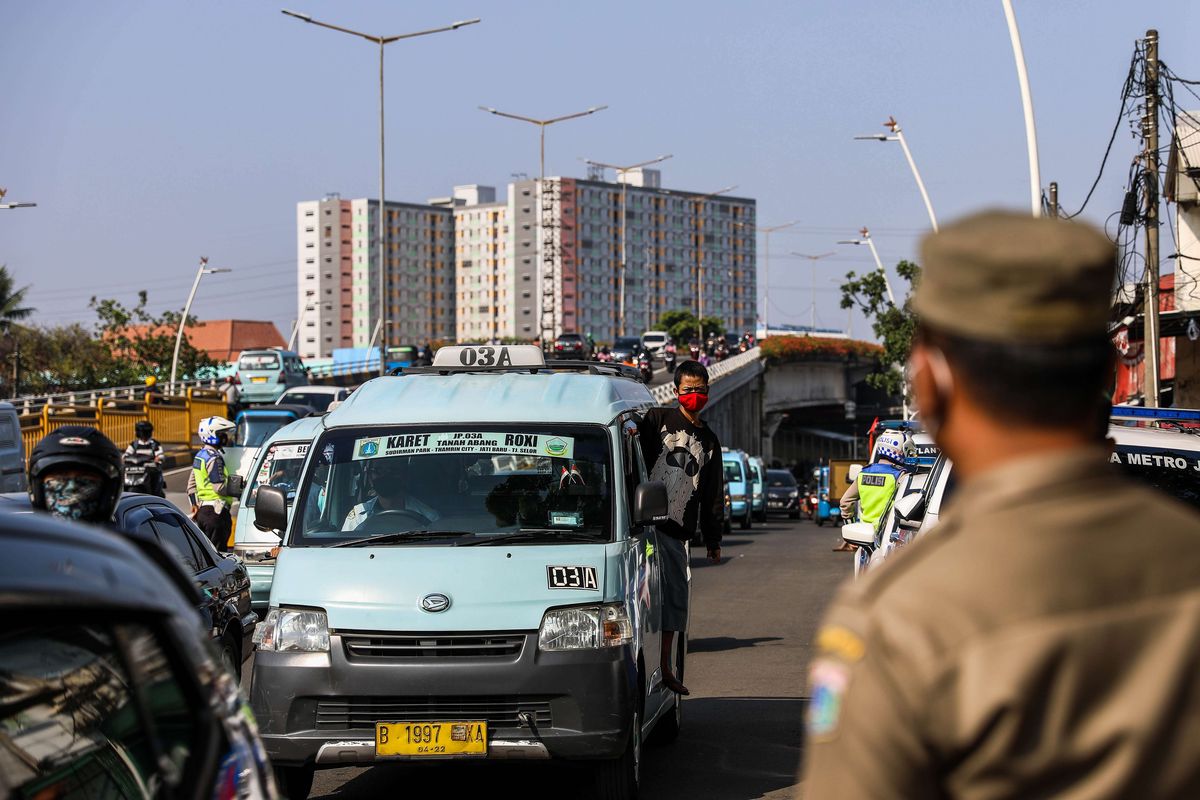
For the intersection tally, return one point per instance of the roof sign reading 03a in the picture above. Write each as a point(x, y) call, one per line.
point(484, 356)
point(419, 444)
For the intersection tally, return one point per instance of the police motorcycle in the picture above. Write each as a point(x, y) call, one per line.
point(142, 472)
point(904, 517)
point(669, 353)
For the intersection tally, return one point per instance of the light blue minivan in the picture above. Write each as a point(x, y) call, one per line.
point(738, 483)
point(278, 464)
point(758, 488)
point(471, 570)
point(263, 375)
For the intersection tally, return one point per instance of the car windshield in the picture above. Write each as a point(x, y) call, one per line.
point(626, 343)
point(733, 471)
point(255, 361)
point(458, 485)
point(253, 430)
point(280, 468)
point(1171, 471)
point(779, 477)
point(317, 401)
point(654, 338)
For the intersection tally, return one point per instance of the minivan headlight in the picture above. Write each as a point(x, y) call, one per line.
point(293, 630)
point(585, 628)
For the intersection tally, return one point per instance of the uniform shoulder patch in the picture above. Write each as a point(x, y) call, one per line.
point(839, 642)
point(828, 681)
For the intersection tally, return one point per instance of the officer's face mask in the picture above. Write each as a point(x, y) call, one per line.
point(73, 495)
point(933, 410)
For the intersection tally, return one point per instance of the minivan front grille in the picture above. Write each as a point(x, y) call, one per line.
point(353, 713)
point(374, 646)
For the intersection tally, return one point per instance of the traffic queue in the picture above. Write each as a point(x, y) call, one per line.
point(376, 636)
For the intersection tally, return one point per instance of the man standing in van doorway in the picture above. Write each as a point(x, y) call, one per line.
point(683, 453)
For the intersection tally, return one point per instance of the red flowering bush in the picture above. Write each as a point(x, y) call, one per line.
point(782, 349)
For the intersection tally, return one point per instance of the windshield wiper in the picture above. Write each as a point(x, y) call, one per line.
point(402, 536)
point(533, 535)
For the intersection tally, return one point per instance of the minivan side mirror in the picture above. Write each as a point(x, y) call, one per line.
point(852, 473)
point(270, 509)
point(860, 533)
point(650, 503)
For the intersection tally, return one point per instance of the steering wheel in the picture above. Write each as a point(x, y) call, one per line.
point(384, 521)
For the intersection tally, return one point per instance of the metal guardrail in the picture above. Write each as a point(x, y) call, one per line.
point(664, 394)
point(29, 404)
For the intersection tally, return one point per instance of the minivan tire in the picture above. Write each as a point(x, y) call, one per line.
point(745, 523)
point(620, 778)
point(294, 783)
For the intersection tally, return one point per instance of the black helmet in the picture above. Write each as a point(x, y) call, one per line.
point(80, 446)
point(144, 429)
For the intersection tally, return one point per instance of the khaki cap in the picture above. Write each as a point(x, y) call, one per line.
point(1002, 276)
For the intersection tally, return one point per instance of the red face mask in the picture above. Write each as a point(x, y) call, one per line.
point(693, 402)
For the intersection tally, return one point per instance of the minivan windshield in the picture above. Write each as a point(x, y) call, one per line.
point(280, 468)
point(733, 471)
point(460, 485)
point(253, 430)
point(317, 401)
point(256, 361)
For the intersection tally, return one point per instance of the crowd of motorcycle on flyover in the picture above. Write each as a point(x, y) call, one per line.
point(641, 352)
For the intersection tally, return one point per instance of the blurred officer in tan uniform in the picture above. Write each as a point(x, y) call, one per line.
point(1044, 639)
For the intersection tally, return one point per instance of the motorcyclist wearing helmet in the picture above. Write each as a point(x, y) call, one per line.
point(152, 393)
point(216, 488)
point(875, 486)
point(75, 473)
point(147, 447)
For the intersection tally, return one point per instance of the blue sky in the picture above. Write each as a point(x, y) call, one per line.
point(151, 133)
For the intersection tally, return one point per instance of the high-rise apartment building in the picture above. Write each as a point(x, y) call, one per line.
point(471, 268)
point(338, 302)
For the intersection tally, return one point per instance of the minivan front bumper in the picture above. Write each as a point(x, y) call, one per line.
point(321, 708)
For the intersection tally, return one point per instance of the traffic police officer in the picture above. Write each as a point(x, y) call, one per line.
point(1043, 640)
point(215, 487)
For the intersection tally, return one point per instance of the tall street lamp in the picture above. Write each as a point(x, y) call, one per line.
point(898, 136)
point(698, 202)
point(5, 206)
point(622, 172)
point(1035, 177)
point(187, 310)
point(381, 41)
point(865, 238)
point(766, 231)
point(546, 313)
point(813, 259)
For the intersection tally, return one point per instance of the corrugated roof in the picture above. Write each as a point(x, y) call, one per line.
point(498, 397)
point(223, 339)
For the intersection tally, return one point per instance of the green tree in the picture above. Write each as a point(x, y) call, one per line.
point(893, 326)
point(143, 343)
point(12, 308)
point(681, 326)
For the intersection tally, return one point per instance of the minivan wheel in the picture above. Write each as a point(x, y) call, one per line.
point(294, 782)
point(620, 778)
point(745, 524)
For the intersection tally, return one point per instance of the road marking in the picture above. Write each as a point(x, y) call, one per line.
point(175, 471)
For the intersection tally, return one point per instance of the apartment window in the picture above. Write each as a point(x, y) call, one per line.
point(308, 213)
point(310, 339)
point(310, 261)
point(310, 277)
point(310, 245)
point(526, 277)
point(526, 313)
point(309, 229)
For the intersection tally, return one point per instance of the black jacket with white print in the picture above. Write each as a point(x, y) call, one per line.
point(687, 458)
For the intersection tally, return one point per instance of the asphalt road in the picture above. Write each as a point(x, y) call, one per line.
point(754, 617)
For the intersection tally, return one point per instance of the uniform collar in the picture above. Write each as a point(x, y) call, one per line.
point(1023, 475)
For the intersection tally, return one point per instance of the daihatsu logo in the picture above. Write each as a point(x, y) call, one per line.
point(433, 603)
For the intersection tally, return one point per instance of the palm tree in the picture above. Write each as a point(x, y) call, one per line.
point(11, 308)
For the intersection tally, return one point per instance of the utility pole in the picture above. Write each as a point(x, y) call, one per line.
point(1150, 176)
point(1054, 199)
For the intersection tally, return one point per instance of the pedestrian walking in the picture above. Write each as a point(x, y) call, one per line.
point(1043, 640)
point(685, 454)
point(229, 391)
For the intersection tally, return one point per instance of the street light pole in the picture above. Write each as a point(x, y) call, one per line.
point(898, 136)
point(865, 238)
point(545, 333)
point(698, 201)
point(814, 260)
point(187, 310)
point(766, 232)
point(623, 171)
point(382, 234)
point(6, 206)
point(1035, 177)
